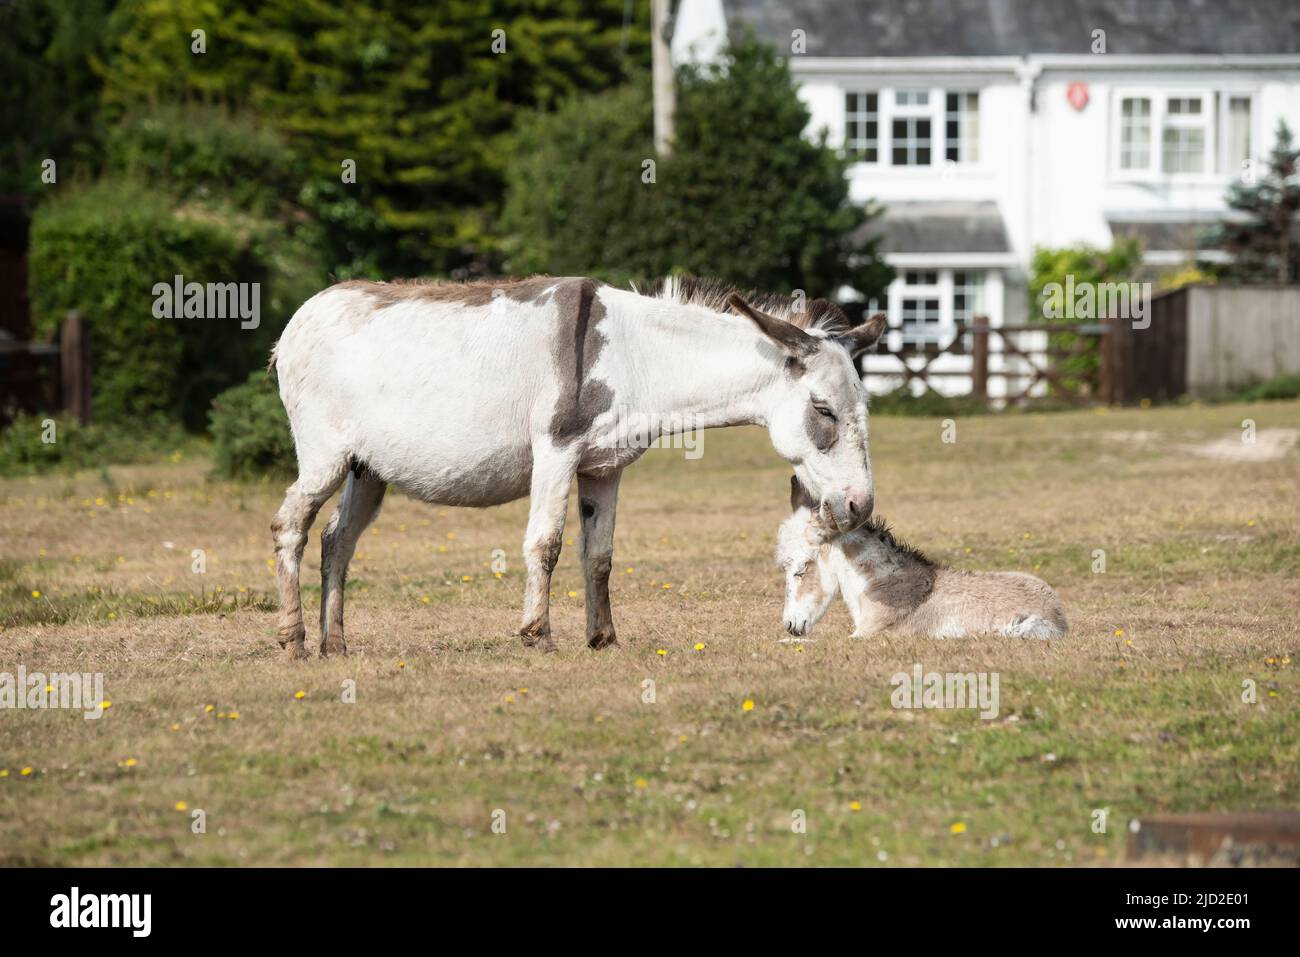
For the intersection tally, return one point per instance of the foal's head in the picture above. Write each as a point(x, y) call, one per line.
point(818, 416)
point(803, 552)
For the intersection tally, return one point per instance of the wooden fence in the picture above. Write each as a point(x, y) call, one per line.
point(1001, 353)
point(54, 374)
point(1206, 341)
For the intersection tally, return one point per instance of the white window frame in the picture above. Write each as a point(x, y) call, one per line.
point(1203, 121)
point(1211, 120)
point(934, 110)
point(944, 290)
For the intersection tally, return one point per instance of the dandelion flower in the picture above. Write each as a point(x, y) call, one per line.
point(299, 695)
point(699, 646)
point(105, 705)
point(661, 652)
point(130, 763)
point(855, 805)
point(182, 806)
point(573, 594)
point(176, 727)
point(642, 783)
point(1119, 632)
point(424, 599)
point(748, 705)
point(36, 593)
point(26, 772)
point(208, 709)
point(958, 828)
point(667, 585)
point(510, 699)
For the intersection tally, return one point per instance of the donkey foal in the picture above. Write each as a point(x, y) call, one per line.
point(890, 586)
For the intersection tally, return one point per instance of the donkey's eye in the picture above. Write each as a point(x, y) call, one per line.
point(822, 409)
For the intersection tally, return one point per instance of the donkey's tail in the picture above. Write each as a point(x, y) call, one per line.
point(270, 363)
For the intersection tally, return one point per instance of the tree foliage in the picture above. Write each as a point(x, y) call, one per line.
point(413, 92)
point(1263, 245)
point(744, 196)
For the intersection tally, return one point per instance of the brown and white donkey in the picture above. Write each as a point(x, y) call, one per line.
point(890, 586)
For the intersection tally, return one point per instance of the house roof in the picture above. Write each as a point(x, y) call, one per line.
point(898, 28)
point(939, 227)
point(1181, 234)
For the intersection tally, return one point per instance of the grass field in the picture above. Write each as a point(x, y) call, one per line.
point(1139, 710)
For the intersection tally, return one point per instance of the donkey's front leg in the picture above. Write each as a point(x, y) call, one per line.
point(597, 502)
point(549, 499)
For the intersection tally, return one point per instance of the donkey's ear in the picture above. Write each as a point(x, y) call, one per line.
point(799, 497)
point(788, 336)
point(861, 338)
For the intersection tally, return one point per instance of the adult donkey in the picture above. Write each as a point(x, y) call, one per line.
point(481, 393)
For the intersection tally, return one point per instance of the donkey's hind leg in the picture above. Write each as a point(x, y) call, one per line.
point(363, 493)
point(302, 501)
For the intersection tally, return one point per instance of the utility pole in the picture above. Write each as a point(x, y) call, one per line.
point(665, 94)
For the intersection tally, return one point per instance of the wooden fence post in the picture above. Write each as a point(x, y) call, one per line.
point(979, 374)
point(74, 367)
point(1106, 374)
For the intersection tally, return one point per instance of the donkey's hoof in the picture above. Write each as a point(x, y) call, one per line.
point(333, 646)
point(295, 651)
point(534, 635)
point(602, 639)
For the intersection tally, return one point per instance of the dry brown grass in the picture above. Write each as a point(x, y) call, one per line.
point(1202, 558)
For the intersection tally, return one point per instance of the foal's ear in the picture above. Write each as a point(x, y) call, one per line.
point(799, 497)
point(861, 338)
point(788, 336)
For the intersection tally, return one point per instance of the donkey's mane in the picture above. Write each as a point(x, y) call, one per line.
point(713, 293)
point(819, 314)
point(879, 529)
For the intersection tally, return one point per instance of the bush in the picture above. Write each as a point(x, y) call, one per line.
point(24, 451)
point(201, 154)
point(1279, 387)
point(102, 250)
point(929, 404)
point(250, 431)
point(1087, 264)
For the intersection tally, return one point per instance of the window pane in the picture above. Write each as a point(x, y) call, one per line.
point(961, 127)
point(1184, 150)
point(1135, 133)
point(861, 125)
point(911, 141)
point(1238, 134)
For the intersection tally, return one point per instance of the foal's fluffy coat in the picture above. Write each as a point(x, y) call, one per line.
point(890, 586)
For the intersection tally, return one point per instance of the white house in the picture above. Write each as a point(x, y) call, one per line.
point(988, 128)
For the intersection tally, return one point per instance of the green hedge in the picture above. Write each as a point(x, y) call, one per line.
point(24, 451)
point(101, 250)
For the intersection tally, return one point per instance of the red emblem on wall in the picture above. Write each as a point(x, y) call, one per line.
point(1077, 94)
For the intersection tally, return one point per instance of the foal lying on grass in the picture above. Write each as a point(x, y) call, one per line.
point(890, 586)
